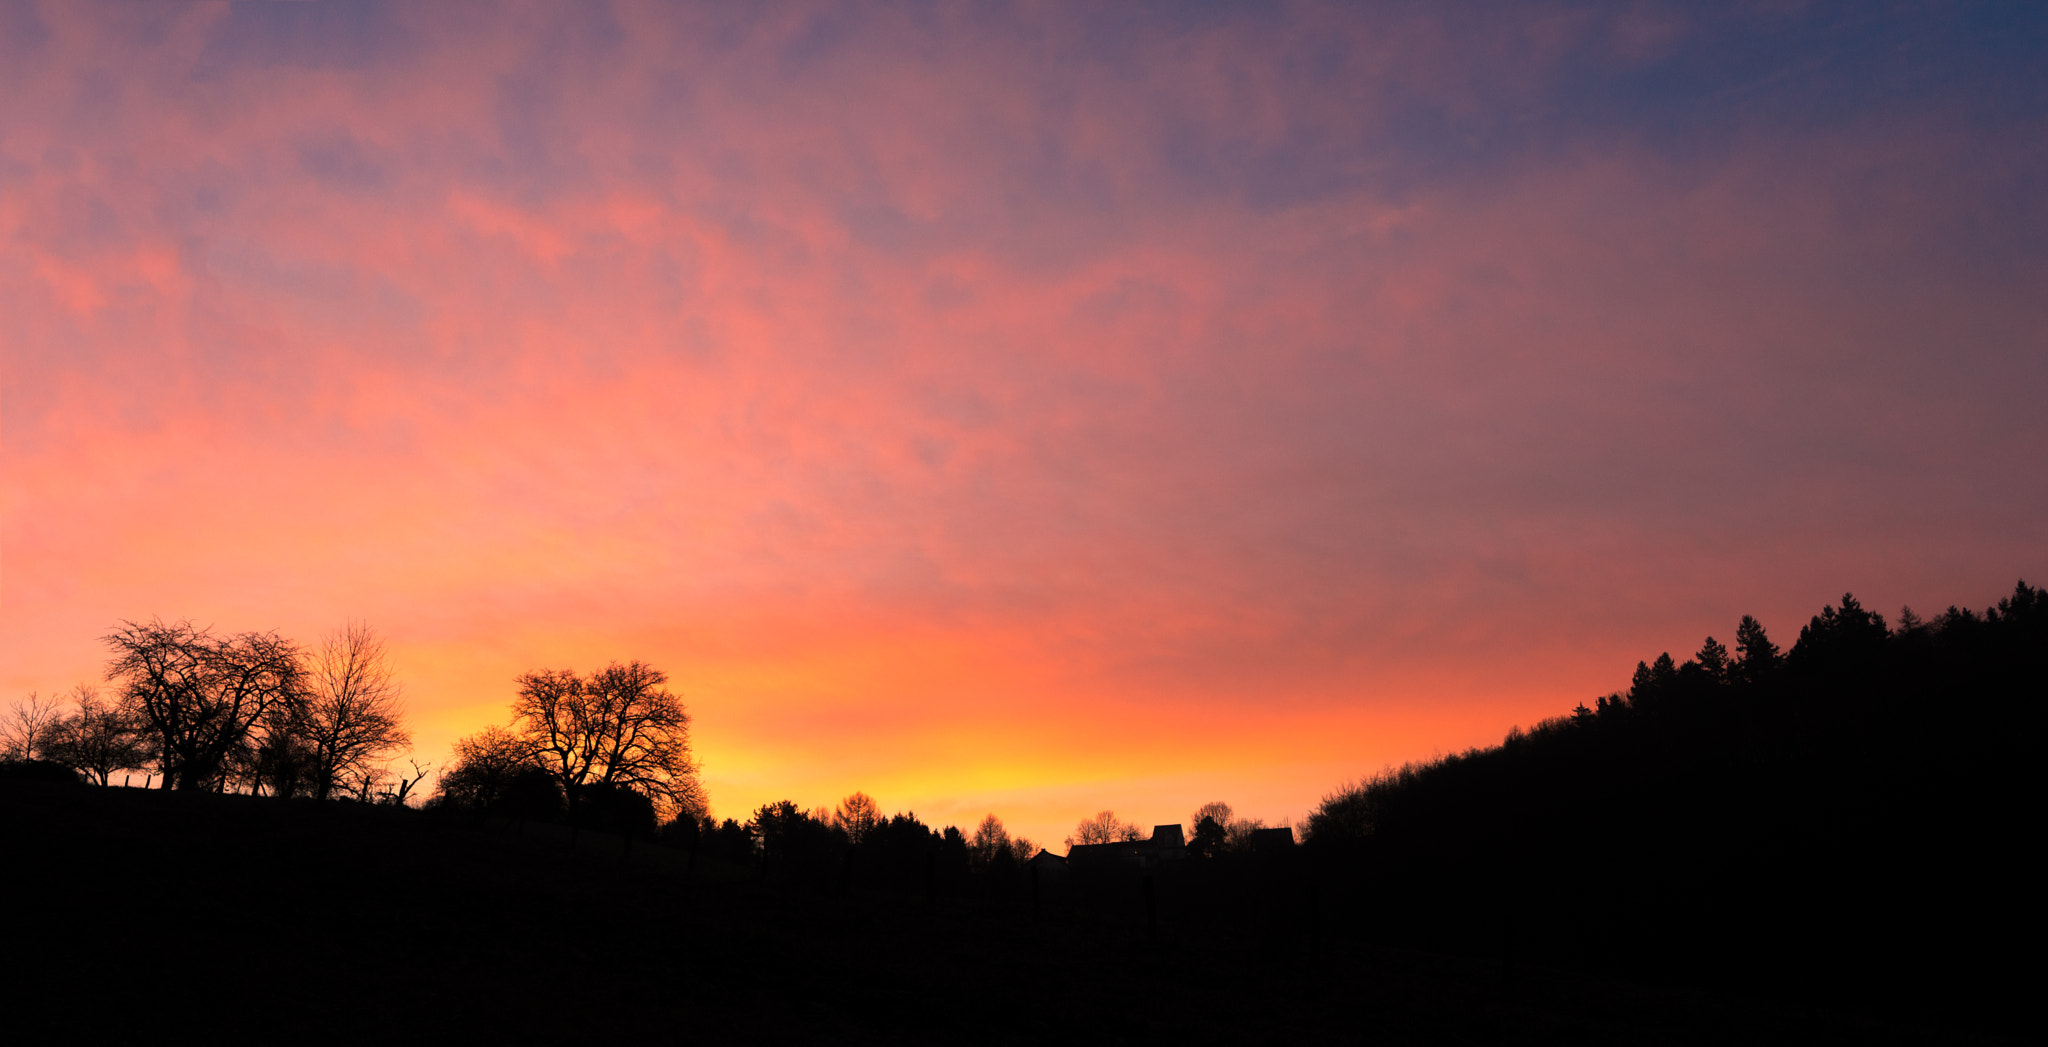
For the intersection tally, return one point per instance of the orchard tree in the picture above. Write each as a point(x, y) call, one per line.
point(99, 739)
point(351, 720)
point(488, 765)
point(27, 730)
point(619, 726)
point(203, 700)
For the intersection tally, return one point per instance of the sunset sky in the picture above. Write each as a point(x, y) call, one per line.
point(1027, 408)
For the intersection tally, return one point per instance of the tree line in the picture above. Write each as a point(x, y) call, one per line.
point(191, 708)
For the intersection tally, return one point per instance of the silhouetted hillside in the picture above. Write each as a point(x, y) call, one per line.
point(1846, 822)
point(1819, 845)
point(252, 918)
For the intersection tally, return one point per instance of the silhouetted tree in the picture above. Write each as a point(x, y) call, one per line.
point(991, 848)
point(26, 732)
point(796, 842)
point(1760, 657)
point(726, 841)
point(989, 840)
point(280, 760)
point(1652, 682)
point(2026, 608)
point(1232, 834)
point(620, 726)
point(1350, 813)
point(1211, 835)
point(200, 697)
point(1104, 828)
point(488, 764)
point(1833, 637)
point(98, 740)
point(857, 816)
point(949, 863)
point(1712, 662)
point(1207, 841)
point(352, 714)
point(1215, 810)
point(772, 822)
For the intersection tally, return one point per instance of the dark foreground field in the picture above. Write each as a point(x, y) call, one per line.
point(168, 916)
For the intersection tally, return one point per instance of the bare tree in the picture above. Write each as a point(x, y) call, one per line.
point(99, 739)
point(1216, 810)
point(351, 719)
point(857, 816)
point(618, 727)
point(201, 698)
point(993, 846)
point(26, 733)
point(1104, 828)
point(989, 839)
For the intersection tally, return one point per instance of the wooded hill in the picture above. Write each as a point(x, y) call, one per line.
point(1847, 821)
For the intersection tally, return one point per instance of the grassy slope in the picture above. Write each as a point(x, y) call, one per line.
point(147, 913)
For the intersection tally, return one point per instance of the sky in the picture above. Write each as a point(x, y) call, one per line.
point(1025, 408)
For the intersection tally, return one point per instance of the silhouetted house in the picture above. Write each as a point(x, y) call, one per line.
point(1166, 847)
point(1047, 866)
